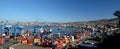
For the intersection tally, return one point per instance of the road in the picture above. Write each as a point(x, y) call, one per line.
point(29, 47)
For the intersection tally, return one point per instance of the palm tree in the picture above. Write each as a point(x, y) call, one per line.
point(117, 13)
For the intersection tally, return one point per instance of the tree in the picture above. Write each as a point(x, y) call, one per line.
point(110, 42)
point(117, 13)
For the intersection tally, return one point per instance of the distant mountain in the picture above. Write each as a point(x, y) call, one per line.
point(114, 20)
point(96, 22)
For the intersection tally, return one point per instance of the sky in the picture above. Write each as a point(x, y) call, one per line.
point(57, 10)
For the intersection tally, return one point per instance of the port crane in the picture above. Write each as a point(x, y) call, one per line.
point(17, 29)
point(6, 29)
point(36, 27)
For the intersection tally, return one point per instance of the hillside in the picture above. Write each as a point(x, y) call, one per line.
point(96, 22)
